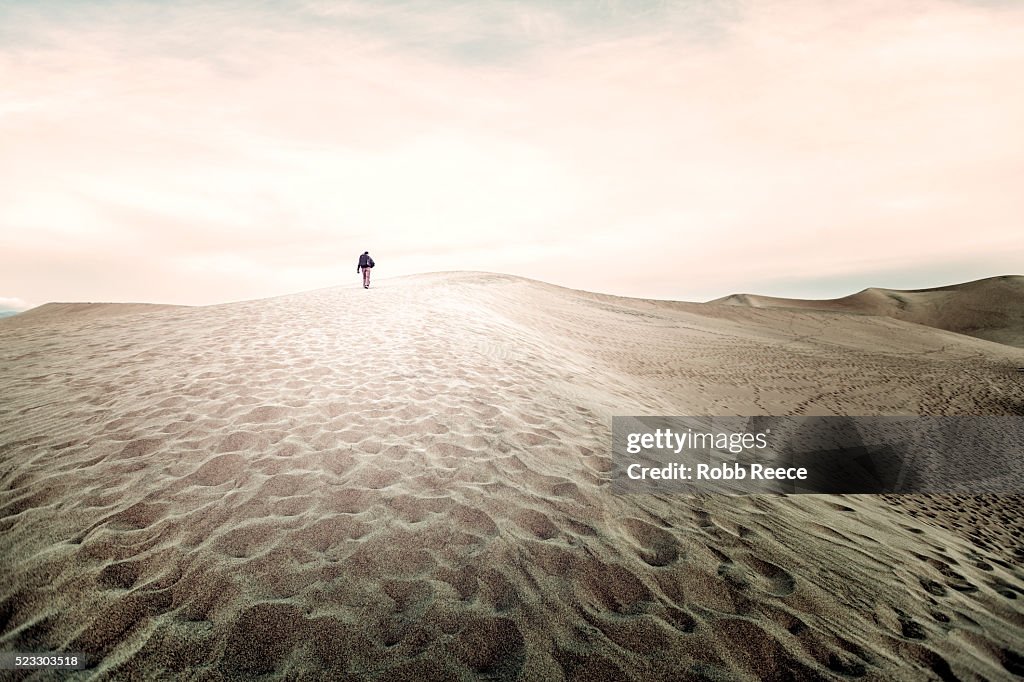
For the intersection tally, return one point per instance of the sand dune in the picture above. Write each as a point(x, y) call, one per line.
point(991, 308)
point(50, 313)
point(410, 482)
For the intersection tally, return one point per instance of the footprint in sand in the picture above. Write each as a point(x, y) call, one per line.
point(1012, 661)
point(771, 578)
point(658, 546)
point(909, 627)
point(933, 588)
point(1003, 588)
point(703, 518)
point(121, 575)
point(536, 524)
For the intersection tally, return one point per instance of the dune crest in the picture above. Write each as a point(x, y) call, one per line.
point(411, 482)
point(59, 313)
point(991, 308)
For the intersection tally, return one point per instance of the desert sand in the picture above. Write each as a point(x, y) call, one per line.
point(410, 482)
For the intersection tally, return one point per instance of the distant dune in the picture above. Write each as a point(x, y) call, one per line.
point(59, 312)
point(411, 482)
point(991, 308)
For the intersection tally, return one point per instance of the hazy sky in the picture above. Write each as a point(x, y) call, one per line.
point(198, 152)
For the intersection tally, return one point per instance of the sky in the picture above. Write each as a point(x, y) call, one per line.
point(203, 152)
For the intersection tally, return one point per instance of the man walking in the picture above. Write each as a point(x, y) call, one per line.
point(365, 263)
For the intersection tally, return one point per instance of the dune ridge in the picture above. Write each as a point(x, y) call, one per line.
point(58, 313)
point(410, 482)
point(990, 308)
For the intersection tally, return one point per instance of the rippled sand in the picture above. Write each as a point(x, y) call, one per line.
point(410, 482)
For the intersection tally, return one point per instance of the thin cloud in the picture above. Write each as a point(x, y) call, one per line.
point(13, 303)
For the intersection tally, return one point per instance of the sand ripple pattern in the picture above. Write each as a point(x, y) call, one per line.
point(410, 482)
